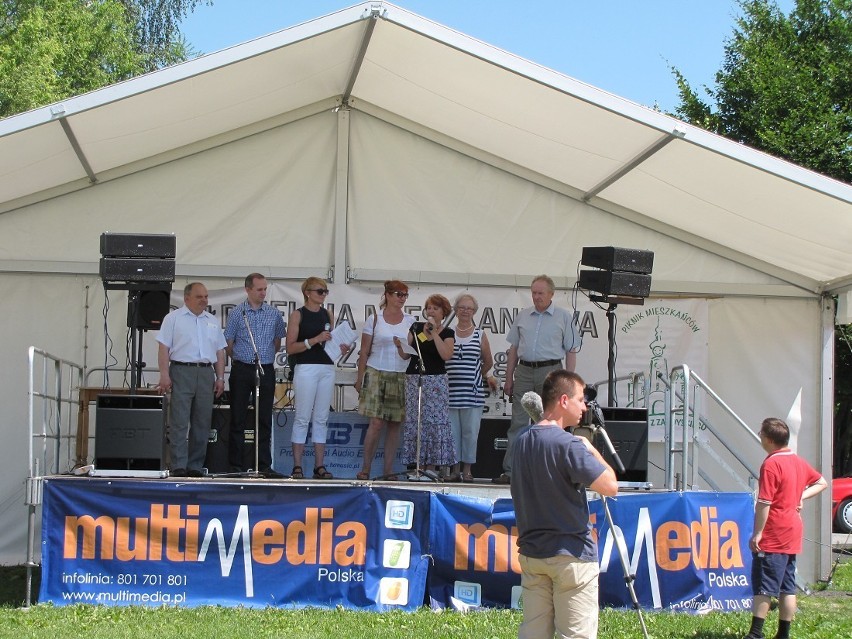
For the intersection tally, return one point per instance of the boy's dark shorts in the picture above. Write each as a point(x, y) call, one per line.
point(773, 574)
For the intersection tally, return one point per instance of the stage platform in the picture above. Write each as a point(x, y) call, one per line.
point(372, 545)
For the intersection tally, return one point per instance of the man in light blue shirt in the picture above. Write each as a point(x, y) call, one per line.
point(267, 329)
point(540, 338)
point(191, 359)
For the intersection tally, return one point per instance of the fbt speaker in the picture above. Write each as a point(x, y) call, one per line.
point(613, 258)
point(491, 447)
point(130, 432)
point(143, 269)
point(137, 245)
point(152, 307)
point(628, 430)
point(216, 460)
point(616, 283)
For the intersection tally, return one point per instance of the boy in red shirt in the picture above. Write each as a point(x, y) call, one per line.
point(786, 480)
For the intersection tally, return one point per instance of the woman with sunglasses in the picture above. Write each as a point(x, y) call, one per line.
point(381, 376)
point(308, 329)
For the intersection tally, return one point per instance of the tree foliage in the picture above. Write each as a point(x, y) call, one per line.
point(785, 85)
point(53, 49)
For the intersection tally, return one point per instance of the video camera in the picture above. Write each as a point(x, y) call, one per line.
point(593, 414)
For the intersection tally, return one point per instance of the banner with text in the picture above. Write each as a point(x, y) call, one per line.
point(126, 542)
point(688, 551)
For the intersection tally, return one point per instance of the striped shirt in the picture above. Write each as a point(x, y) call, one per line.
point(464, 372)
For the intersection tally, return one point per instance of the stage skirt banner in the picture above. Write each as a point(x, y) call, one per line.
point(688, 551)
point(344, 446)
point(128, 542)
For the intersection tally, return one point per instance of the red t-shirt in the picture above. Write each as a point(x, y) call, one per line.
point(783, 478)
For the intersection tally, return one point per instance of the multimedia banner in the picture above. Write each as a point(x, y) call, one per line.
point(688, 551)
point(127, 542)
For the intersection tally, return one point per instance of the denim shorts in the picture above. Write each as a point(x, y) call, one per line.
point(773, 574)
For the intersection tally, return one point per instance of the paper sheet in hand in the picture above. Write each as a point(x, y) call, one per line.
point(408, 348)
point(343, 334)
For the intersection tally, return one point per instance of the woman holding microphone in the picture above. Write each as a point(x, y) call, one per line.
point(308, 329)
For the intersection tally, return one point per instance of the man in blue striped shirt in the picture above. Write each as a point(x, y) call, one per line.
point(267, 328)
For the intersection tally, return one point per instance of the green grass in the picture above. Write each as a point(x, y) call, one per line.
point(823, 615)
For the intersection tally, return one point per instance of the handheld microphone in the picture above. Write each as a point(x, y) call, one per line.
point(327, 327)
point(531, 401)
point(423, 335)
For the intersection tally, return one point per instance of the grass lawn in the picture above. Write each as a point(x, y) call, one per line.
point(825, 614)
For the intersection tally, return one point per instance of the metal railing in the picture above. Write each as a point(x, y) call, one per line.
point(52, 432)
point(685, 391)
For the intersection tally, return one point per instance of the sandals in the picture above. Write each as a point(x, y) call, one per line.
point(363, 476)
point(320, 472)
point(297, 473)
point(454, 478)
point(467, 478)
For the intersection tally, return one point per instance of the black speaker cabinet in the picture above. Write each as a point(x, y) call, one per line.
point(616, 283)
point(118, 269)
point(628, 430)
point(216, 460)
point(491, 447)
point(612, 258)
point(130, 432)
point(137, 245)
point(153, 306)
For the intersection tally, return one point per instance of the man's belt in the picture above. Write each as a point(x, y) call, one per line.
point(541, 364)
point(242, 363)
point(198, 364)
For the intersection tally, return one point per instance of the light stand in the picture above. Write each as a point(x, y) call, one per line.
point(597, 424)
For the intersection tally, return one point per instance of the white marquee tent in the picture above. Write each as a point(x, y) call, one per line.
point(373, 143)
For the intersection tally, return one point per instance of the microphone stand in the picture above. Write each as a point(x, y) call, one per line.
point(597, 425)
point(418, 472)
point(258, 373)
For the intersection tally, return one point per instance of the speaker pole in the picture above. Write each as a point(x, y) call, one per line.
point(133, 298)
point(610, 362)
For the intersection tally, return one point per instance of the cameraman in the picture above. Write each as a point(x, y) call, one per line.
point(551, 469)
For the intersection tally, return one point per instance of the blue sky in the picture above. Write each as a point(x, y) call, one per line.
point(622, 46)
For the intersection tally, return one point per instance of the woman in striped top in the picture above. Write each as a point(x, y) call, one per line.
point(468, 375)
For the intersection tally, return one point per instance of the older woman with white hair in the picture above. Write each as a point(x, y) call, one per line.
point(467, 371)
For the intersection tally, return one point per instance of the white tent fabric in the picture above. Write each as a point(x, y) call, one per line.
point(373, 143)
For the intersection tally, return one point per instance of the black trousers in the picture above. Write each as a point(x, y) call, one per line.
point(241, 385)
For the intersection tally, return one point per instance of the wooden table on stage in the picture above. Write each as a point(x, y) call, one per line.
point(88, 395)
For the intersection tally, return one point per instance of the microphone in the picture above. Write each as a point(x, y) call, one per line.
point(531, 401)
point(423, 335)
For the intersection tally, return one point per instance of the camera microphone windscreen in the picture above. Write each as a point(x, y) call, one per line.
point(531, 401)
point(589, 393)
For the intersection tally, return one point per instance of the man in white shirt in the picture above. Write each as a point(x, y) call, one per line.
point(191, 359)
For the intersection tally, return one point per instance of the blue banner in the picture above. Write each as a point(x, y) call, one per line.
point(128, 542)
point(344, 446)
point(688, 551)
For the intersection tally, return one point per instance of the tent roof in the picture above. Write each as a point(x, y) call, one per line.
point(377, 58)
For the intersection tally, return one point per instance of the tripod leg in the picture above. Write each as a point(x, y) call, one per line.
point(621, 547)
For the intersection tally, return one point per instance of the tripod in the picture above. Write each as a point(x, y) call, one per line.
point(597, 426)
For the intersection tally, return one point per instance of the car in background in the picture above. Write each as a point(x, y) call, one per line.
point(841, 504)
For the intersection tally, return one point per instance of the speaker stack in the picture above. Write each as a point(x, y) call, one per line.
point(143, 265)
point(623, 273)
